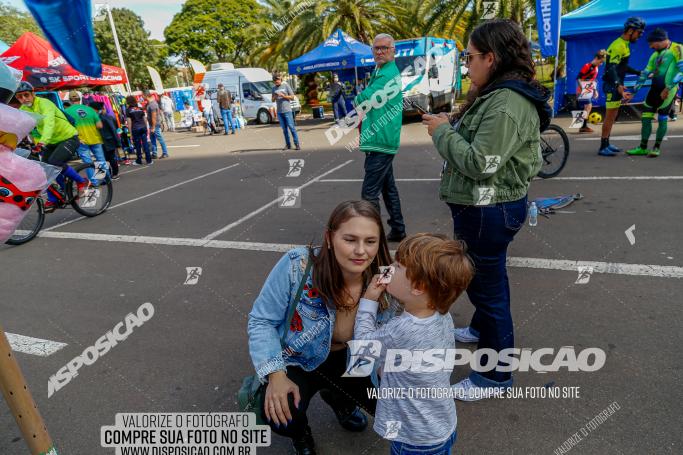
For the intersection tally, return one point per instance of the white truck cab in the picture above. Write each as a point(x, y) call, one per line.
point(251, 86)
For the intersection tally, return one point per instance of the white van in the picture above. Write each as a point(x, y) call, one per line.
point(251, 86)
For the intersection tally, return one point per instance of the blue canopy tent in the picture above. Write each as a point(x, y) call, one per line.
point(341, 53)
point(337, 52)
point(596, 24)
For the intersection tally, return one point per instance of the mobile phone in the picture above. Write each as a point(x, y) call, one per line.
point(417, 106)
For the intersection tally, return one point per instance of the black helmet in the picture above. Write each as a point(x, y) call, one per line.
point(24, 87)
point(635, 23)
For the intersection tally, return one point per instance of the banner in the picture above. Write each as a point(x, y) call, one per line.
point(548, 14)
point(156, 80)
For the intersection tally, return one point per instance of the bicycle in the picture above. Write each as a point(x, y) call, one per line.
point(554, 151)
point(94, 200)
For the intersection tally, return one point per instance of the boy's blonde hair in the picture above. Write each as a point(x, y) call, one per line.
point(437, 265)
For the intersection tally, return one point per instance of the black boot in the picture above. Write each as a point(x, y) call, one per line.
point(304, 445)
point(350, 417)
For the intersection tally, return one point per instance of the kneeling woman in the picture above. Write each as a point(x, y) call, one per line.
point(313, 357)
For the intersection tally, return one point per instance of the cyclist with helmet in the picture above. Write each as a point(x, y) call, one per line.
point(665, 66)
point(54, 134)
point(616, 69)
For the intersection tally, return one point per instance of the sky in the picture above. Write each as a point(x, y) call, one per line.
point(157, 14)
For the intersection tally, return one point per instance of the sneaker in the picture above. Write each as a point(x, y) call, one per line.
point(463, 335)
point(637, 151)
point(287, 147)
point(83, 187)
point(297, 147)
point(466, 390)
point(654, 153)
point(115, 177)
point(606, 152)
point(149, 164)
point(50, 206)
point(135, 163)
point(585, 129)
point(614, 148)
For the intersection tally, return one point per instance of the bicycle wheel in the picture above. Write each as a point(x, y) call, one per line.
point(30, 225)
point(95, 199)
point(554, 151)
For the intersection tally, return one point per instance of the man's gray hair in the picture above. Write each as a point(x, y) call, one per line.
point(383, 36)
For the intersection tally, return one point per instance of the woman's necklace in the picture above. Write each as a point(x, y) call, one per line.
point(355, 301)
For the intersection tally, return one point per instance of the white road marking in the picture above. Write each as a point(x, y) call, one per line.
point(616, 268)
point(146, 195)
point(222, 230)
point(34, 346)
point(625, 138)
point(633, 177)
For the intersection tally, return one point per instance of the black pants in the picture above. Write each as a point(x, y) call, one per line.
point(111, 156)
point(60, 154)
point(338, 392)
point(379, 178)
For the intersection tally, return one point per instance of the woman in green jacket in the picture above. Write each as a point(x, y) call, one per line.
point(491, 154)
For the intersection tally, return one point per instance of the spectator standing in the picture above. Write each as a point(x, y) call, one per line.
point(589, 74)
point(225, 104)
point(137, 125)
point(381, 135)
point(167, 111)
point(336, 95)
point(154, 119)
point(282, 95)
point(207, 109)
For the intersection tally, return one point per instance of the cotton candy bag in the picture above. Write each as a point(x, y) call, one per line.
point(21, 180)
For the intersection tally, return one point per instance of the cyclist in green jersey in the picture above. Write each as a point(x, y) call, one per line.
point(613, 80)
point(665, 67)
point(54, 134)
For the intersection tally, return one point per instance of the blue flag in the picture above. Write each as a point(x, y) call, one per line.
point(548, 13)
point(67, 24)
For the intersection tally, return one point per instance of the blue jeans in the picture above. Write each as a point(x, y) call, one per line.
point(379, 178)
point(339, 107)
point(141, 143)
point(157, 136)
point(287, 123)
point(444, 448)
point(227, 120)
point(487, 231)
point(84, 151)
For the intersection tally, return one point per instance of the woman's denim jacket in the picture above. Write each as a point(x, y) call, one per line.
point(308, 337)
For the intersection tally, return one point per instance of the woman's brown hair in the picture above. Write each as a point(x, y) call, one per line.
point(511, 56)
point(131, 101)
point(327, 274)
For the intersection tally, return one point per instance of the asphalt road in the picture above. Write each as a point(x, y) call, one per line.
point(213, 205)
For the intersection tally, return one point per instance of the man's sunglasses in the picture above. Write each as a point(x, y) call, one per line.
point(382, 49)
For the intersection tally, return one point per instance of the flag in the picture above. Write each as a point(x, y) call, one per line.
point(548, 13)
point(67, 24)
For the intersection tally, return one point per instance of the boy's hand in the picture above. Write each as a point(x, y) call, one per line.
point(374, 290)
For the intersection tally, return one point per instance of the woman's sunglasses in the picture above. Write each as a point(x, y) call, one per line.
point(467, 56)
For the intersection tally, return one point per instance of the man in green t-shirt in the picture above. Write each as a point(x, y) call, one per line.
point(88, 124)
point(663, 69)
